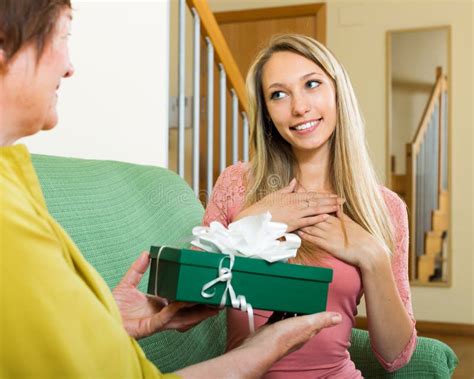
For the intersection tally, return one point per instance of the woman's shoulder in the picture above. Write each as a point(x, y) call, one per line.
point(228, 194)
point(234, 175)
point(391, 198)
point(237, 169)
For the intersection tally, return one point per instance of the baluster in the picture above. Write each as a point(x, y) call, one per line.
point(181, 85)
point(245, 139)
point(210, 115)
point(444, 141)
point(235, 127)
point(419, 202)
point(436, 157)
point(196, 98)
point(222, 118)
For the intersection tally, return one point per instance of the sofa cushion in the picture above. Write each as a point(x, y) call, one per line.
point(432, 359)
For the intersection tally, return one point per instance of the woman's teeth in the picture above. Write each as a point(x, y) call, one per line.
point(306, 125)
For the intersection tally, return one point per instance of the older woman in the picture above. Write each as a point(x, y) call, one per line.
point(58, 318)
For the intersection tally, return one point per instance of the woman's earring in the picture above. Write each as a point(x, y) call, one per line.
point(268, 129)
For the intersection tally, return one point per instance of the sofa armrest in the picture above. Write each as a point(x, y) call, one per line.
point(431, 359)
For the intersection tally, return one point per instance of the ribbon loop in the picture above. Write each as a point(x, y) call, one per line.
point(238, 302)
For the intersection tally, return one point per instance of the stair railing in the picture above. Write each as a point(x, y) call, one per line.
point(427, 176)
point(230, 81)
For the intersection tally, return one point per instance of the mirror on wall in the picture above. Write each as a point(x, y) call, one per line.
point(418, 145)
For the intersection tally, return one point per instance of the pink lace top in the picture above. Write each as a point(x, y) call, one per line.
point(326, 354)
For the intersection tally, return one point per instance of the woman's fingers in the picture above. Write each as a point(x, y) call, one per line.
point(316, 210)
point(187, 317)
point(316, 230)
point(290, 187)
point(313, 202)
point(135, 272)
point(315, 239)
point(310, 221)
point(178, 315)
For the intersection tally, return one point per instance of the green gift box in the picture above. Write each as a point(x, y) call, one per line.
point(181, 275)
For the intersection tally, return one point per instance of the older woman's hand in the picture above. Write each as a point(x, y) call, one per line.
point(296, 209)
point(144, 315)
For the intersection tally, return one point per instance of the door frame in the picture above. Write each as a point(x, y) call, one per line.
point(318, 10)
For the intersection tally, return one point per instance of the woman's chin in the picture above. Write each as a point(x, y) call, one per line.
point(50, 122)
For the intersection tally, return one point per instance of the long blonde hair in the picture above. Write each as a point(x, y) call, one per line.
point(352, 175)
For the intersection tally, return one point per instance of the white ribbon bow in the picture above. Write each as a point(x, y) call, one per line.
point(239, 301)
point(252, 236)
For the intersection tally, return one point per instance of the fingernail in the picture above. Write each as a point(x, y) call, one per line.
point(336, 318)
point(341, 201)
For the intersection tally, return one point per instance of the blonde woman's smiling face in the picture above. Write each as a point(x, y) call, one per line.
point(300, 99)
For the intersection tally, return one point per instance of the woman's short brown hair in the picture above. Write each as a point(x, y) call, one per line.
point(27, 21)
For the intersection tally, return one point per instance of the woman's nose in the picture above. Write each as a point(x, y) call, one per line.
point(70, 71)
point(300, 105)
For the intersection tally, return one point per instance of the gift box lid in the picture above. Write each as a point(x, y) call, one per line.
point(243, 264)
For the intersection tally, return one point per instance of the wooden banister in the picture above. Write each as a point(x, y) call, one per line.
point(423, 126)
point(213, 32)
point(422, 267)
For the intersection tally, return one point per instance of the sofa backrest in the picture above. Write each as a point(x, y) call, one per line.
point(114, 211)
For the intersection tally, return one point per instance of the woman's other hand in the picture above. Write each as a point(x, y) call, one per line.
point(292, 333)
point(355, 246)
point(144, 315)
point(296, 209)
point(261, 350)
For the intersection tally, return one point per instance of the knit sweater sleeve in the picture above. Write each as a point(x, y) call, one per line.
point(227, 196)
point(398, 212)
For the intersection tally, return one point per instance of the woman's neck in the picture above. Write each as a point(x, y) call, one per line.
point(5, 138)
point(312, 170)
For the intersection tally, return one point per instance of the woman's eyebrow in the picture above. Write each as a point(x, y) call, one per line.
point(305, 76)
point(311, 74)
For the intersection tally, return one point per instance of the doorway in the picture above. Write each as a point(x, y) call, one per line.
point(247, 31)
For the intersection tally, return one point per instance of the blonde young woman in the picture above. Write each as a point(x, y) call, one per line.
point(311, 170)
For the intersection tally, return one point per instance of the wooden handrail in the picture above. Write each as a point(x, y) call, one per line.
point(270, 13)
point(412, 151)
point(213, 32)
point(423, 126)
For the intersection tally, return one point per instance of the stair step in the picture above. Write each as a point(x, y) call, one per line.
point(440, 221)
point(444, 201)
point(433, 243)
point(426, 268)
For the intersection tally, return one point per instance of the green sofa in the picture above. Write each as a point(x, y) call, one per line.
point(115, 210)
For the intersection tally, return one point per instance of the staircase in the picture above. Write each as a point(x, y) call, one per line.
point(424, 188)
point(217, 135)
point(435, 254)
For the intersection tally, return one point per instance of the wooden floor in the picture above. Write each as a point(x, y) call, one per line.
point(463, 346)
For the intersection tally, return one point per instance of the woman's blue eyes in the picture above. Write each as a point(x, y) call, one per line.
point(280, 94)
point(277, 95)
point(312, 83)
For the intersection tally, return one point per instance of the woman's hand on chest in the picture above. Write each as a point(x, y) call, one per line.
point(344, 239)
point(295, 209)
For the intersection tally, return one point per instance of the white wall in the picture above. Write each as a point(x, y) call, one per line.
point(116, 104)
